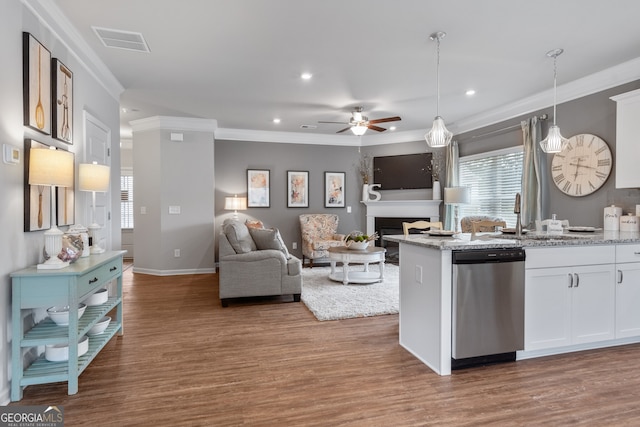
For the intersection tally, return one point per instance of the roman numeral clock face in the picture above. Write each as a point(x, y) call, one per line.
point(583, 166)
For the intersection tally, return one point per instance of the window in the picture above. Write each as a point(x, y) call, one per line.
point(495, 178)
point(126, 201)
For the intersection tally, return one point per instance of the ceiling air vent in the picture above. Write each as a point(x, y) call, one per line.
point(308, 126)
point(119, 39)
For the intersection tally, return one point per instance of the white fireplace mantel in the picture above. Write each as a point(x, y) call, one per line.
point(427, 209)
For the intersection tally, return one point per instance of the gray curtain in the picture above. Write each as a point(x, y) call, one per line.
point(451, 179)
point(534, 179)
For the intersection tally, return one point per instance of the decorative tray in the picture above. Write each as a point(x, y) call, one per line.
point(513, 231)
point(581, 229)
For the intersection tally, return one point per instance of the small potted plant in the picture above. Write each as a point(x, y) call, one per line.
point(358, 240)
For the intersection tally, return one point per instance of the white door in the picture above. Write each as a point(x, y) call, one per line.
point(97, 137)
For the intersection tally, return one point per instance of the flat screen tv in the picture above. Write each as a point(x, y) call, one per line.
point(403, 172)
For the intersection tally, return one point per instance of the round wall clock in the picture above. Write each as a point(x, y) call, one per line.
point(583, 166)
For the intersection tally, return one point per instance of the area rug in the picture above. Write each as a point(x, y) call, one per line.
point(330, 300)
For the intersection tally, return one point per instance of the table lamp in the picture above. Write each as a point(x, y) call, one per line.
point(52, 168)
point(94, 177)
point(235, 204)
point(456, 196)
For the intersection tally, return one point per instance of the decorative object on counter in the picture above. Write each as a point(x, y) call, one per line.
point(51, 168)
point(612, 216)
point(516, 210)
point(545, 224)
point(72, 248)
point(357, 240)
point(439, 135)
point(374, 195)
point(554, 226)
point(94, 177)
point(629, 222)
point(235, 204)
point(583, 166)
point(554, 142)
point(456, 196)
point(83, 232)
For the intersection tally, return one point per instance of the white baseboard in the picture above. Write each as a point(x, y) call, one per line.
point(154, 272)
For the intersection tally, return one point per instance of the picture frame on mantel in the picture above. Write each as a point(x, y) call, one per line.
point(334, 189)
point(258, 188)
point(297, 189)
point(62, 80)
point(36, 84)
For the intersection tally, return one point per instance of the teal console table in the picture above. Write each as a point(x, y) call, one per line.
point(33, 288)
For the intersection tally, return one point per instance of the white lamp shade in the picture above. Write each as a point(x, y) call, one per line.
point(457, 195)
point(235, 203)
point(554, 142)
point(358, 130)
point(50, 167)
point(439, 135)
point(93, 177)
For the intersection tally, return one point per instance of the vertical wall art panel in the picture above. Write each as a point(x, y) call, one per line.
point(36, 84)
point(62, 93)
point(297, 189)
point(334, 185)
point(258, 184)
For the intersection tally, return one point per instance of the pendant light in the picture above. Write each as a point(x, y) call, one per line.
point(439, 135)
point(554, 142)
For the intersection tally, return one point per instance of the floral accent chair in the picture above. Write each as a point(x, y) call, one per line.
point(319, 233)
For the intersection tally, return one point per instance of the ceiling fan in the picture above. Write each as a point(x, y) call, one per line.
point(359, 123)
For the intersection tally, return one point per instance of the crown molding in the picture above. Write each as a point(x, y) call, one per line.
point(174, 123)
point(287, 137)
point(55, 21)
point(606, 79)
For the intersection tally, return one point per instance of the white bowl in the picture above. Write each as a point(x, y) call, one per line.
point(60, 314)
point(100, 327)
point(60, 352)
point(358, 246)
point(99, 297)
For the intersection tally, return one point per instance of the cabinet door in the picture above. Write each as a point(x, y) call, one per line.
point(627, 148)
point(547, 308)
point(593, 304)
point(628, 300)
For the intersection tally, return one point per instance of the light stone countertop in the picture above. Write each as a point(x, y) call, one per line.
point(530, 239)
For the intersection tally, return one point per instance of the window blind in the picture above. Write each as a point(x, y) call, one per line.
point(126, 201)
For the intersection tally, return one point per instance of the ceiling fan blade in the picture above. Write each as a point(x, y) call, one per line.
point(376, 128)
point(387, 119)
point(341, 123)
point(342, 130)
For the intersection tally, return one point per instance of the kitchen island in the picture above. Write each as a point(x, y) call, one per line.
point(560, 316)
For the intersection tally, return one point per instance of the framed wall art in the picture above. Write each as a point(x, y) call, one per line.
point(62, 123)
point(258, 183)
point(37, 198)
point(334, 185)
point(297, 189)
point(36, 83)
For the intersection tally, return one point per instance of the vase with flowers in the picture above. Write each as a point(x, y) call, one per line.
point(364, 168)
point(435, 168)
point(357, 240)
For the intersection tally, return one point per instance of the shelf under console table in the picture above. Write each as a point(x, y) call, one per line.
point(33, 288)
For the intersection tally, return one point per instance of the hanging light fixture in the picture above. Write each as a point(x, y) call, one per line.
point(554, 142)
point(439, 135)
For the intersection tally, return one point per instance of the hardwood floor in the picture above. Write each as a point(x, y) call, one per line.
point(186, 361)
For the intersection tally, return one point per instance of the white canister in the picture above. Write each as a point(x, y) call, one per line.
point(629, 223)
point(612, 216)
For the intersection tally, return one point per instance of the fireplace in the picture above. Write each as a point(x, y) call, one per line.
point(389, 226)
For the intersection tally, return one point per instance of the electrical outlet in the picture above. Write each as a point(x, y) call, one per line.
point(176, 253)
point(294, 245)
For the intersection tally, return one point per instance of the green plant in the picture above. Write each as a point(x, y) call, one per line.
point(359, 236)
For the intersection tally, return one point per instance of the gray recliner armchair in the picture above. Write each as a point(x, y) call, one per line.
point(255, 262)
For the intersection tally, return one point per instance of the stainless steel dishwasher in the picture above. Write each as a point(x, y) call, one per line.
point(487, 306)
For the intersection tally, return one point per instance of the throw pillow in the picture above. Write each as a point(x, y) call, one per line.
point(254, 223)
point(269, 238)
point(238, 235)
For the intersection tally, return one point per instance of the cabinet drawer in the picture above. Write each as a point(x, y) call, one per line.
point(98, 277)
point(628, 253)
point(570, 256)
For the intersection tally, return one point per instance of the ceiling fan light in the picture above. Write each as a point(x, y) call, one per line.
point(439, 135)
point(358, 130)
point(554, 142)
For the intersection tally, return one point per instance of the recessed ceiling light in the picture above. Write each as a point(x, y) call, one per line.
point(306, 76)
point(470, 92)
point(276, 120)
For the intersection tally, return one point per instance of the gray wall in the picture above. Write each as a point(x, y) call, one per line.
point(20, 249)
point(594, 114)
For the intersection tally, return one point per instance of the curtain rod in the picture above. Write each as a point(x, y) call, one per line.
point(505, 129)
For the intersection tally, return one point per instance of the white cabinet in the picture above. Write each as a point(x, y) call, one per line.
point(569, 305)
point(627, 291)
point(627, 139)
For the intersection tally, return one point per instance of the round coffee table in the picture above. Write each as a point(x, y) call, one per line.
point(346, 256)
